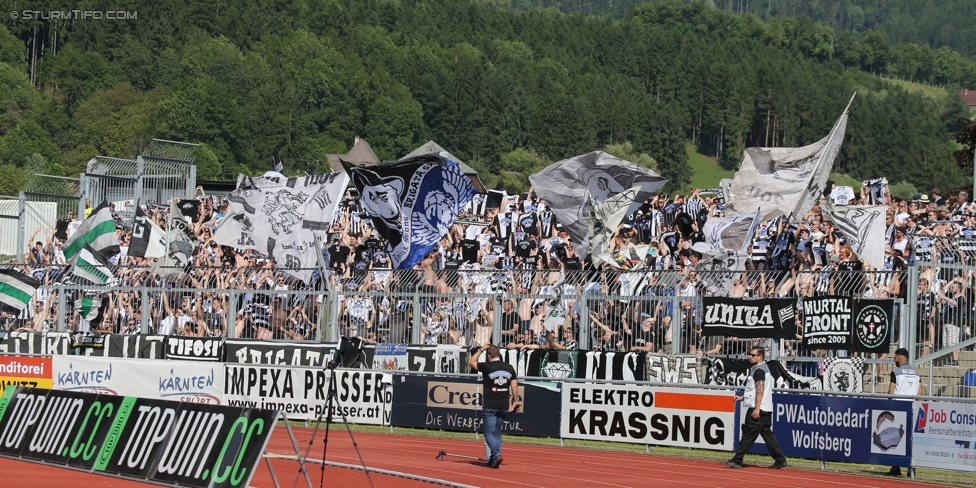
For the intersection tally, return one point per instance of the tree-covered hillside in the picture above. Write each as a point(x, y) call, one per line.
point(507, 91)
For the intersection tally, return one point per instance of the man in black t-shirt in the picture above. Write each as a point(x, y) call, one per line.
point(500, 397)
point(338, 254)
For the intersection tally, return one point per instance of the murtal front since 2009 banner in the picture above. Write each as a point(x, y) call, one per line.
point(171, 442)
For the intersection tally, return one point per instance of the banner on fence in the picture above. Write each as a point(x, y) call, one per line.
point(364, 396)
point(944, 436)
point(176, 443)
point(180, 381)
point(844, 374)
point(848, 323)
point(195, 348)
point(856, 430)
point(29, 371)
point(62, 343)
point(390, 357)
point(734, 371)
point(749, 318)
point(281, 353)
point(454, 403)
point(646, 415)
point(667, 368)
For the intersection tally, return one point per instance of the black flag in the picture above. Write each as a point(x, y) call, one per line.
point(276, 159)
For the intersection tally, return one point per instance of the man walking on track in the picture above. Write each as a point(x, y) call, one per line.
point(500, 397)
point(904, 381)
point(758, 400)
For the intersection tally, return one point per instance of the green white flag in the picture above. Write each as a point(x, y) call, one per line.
point(98, 230)
point(91, 266)
point(90, 309)
point(16, 290)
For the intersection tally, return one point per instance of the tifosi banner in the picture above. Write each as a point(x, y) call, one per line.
point(944, 436)
point(176, 443)
point(182, 381)
point(195, 348)
point(646, 415)
point(854, 430)
point(365, 397)
point(454, 403)
point(749, 319)
point(30, 371)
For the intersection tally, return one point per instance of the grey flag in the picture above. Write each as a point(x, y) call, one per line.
point(786, 179)
point(572, 187)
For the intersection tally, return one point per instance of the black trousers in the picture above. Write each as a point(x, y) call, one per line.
point(752, 429)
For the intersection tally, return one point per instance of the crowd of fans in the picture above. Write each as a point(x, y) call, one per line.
point(520, 258)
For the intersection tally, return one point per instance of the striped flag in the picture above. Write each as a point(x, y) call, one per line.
point(16, 290)
point(98, 230)
point(90, 309)
point(91, 266)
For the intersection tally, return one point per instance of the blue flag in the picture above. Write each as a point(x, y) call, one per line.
point(412, 202)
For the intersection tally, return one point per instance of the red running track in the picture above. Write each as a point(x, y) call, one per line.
point(524, 466)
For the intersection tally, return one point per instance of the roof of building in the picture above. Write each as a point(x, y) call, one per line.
point(968, 96)
point(361, 153)
point(432, 147)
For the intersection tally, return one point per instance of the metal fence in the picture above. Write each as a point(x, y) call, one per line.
point(165, 170)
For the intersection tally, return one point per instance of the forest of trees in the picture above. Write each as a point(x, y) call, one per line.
point(505, 90)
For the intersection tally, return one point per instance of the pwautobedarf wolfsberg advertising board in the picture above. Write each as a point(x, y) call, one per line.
point(944, 436)
point(365, 397)
point(856, 430)
point(647, 415)
point(182, 381)
point(184, 443)
point(454, 403)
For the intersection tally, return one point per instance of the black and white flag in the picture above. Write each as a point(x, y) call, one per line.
point(148, 239)
point(181, 242)
point(862, 227)
point(749, 318)
point(719, 269)
point(280, 216)
point(276, 161)
point(412, 202)
point(844, 375)
point(572, 187)
point(735, 232)
point(787, 180)
point(873, 325)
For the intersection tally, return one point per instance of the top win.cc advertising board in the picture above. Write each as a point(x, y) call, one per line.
point(646, 415)
point(167, 442)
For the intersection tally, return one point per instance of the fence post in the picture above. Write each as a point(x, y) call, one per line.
point(912, 299)
point(584, 334)
point(231, 329)
point(415, 328)
point(192, 187)
point(140, 169)
point(331, 325)
point(144, 309)
point(677, 322)
point(62, 309)
point(83, 182)
point(496, 319)
point(21, 227)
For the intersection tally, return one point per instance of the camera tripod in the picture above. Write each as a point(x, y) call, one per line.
point(333, 395)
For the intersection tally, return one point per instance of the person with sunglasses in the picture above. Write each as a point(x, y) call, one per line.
point(758, 400)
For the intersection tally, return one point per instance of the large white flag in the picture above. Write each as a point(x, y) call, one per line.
point(786, 179)
point(862, 227)
point(607, 217)
point(278, 217)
